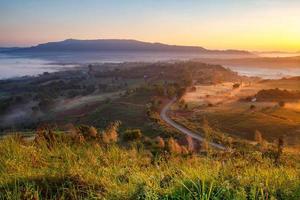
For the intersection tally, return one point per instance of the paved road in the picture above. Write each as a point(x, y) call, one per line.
point(182, 129)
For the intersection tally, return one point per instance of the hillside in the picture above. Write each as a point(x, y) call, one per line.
point(86, 165)
point(79, 95)
point(109, 45)
point(96, 133)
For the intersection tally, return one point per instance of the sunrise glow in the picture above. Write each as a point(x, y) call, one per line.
point(253, 25)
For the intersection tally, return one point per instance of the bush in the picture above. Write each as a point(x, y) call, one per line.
point(281, 103)
point(110, 135)
point(160, 142)
point(236, 85)
point(93, 132)
point(132, 134)
point(173, 147)
point(258, 137)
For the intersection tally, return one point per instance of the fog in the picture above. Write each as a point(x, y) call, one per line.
point(20, 114)
point(265, 72)
point(27, 64)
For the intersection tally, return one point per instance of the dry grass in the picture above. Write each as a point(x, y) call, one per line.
point(221, 105)
point(91, 171)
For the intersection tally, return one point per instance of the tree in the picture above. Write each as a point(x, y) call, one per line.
point(281, 103)
point(252, 107)
point(181, 103)
point(171, 91)
point(159, 90)
point(186, 106)
point(208, 131)
point(279, 152)
point(236, 85)
point(181, 92)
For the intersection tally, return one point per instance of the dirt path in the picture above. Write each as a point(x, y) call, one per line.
point(182, 129)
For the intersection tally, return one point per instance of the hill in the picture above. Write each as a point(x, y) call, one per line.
point(84, 165)
point(121, 45)
point(277, 95)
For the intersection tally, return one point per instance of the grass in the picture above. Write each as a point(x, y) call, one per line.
point(91, 170)
point(289, 84)
point(131, 110)
point(238, 120)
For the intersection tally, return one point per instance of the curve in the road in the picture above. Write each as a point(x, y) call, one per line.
point(167, 119)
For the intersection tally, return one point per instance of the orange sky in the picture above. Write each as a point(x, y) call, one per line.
point(262, 25)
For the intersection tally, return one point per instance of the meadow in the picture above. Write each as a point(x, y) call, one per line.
point(240, 111)
point(61, 166)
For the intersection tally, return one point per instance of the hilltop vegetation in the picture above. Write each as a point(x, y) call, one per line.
point(91, 164)
point(277, 95)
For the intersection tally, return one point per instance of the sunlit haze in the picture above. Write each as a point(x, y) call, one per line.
point(258, 25)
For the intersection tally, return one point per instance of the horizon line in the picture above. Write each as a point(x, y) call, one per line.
point(151, 42)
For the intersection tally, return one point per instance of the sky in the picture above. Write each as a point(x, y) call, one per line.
point(257, 25)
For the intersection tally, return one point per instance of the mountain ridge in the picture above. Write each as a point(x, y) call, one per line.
point(120, 45)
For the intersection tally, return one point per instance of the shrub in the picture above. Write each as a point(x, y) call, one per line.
point(160, 142)
point(181, 103)
point(132, 134)
point(46, 136)
point(193, 89)
point(186, 106)
point(207, 129)
point(279, 152)
point(184, 150)
point(84, 130)
point(236, 85)
point(190, 143)
point(93, 132)
point(281, 103)
point(258, 137)
point(173, 146)
point(110, 135)
point(204, 145)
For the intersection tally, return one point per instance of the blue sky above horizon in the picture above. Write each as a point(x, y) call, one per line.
point(221, 24)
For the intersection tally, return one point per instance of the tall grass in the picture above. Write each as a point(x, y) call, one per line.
point(90, 170)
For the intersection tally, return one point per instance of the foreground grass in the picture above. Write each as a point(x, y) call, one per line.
point(90, 170)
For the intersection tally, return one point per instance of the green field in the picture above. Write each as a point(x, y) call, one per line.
point(66, 169)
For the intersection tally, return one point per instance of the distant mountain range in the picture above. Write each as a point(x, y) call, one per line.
point(72, 45)
point(5, 49)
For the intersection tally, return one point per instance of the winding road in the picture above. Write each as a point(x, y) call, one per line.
point(182, 129)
